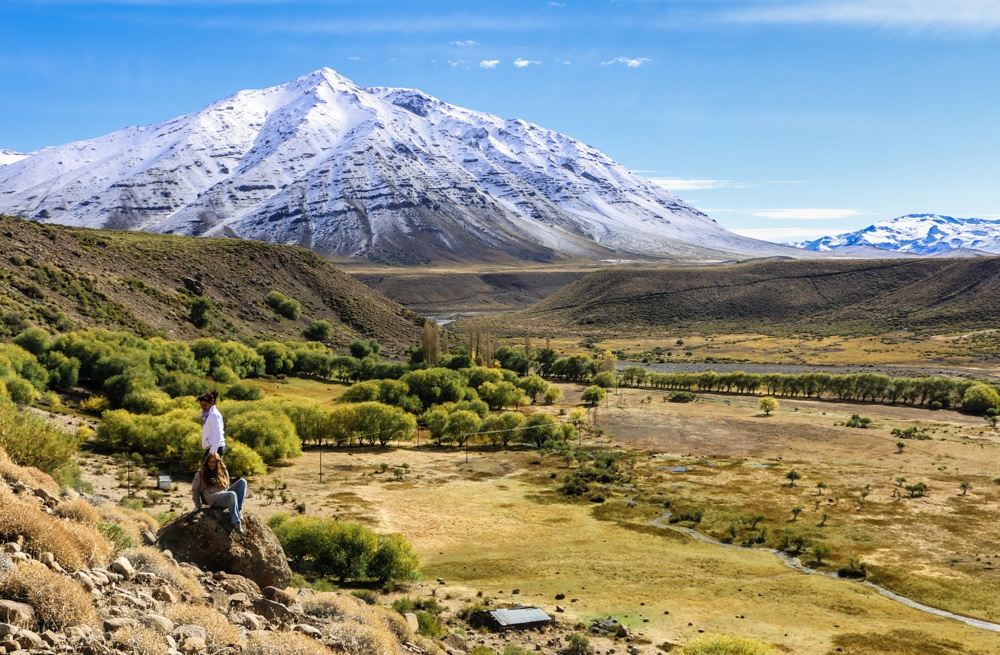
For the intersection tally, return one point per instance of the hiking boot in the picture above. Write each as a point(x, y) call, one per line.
point(239, 527)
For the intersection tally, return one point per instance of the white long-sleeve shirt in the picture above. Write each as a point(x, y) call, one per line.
point(213, 433)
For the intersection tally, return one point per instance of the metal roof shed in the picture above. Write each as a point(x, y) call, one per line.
point(514, 618)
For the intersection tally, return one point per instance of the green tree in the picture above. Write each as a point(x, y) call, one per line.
point(541, 428)
point(767, 405)
point(792, 476)
point(380, 423)
point(461, 425)
point(271, 434)
point(604, 379)
point(502, 429)
point(795, 512)
point(965, 486)
point(980, 397)
point(593, 395)
point(821, 551)
point(900, 446)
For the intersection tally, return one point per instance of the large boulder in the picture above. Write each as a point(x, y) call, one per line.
point(206, 539)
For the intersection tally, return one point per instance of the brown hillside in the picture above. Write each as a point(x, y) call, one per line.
point(143, 282)
point(826, 297)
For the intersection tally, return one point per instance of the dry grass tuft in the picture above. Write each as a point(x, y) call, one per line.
point(396, 624)
point(130, 521)
point(221, 633)
point(342, 607)
point(361, 638)
point(283, 643)
point(78, 510)
point(151, 560)
point(59, 601)
point(12, 472)
point(74, 545)
point(723, 645)
point(140, 641)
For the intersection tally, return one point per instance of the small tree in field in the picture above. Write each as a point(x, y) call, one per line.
point(792, 476)
point(200, 312)
point(965, 486)
point(768, 405)
point(820, 486)
point(795, 512)
point(593, 395)
point(899, 447)
point(820, 551)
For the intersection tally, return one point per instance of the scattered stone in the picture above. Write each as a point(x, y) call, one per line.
point(411, 620)
point(161, 624)
point(29, 639)
point(239, 601)
point(164, 594)
point(184, 632)
point(149, 538)
point(560, 596)
point(560, 608)
point(12, 547)
point(145, 578)
point(273, 611)
point(20, 614)
point(10, 645)
point(236, 584)
point(113, 625)
point(122, 567)
point(52, 638)
point(456, 642)
point(46, 558)
point(248, 620)
point(192, 645)
point(308, 630)
point(623, 631)
point(516, 592)
point(278, 595)
point(7, 629)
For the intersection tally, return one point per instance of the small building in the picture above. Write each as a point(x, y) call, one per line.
point(512, 618)
point(163, 483)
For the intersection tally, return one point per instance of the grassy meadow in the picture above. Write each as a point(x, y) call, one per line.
point(489, 521)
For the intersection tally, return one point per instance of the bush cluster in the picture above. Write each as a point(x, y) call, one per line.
point(344, 550)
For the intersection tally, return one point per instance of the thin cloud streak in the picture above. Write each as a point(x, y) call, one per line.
point(683, 184)
point(916, 15)
point(631, 62)
point(810, 214)
point(784, 234)
point(522, 63)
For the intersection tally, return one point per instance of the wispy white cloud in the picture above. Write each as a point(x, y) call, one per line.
point(489, 63)
point(784, 234)
point(809, 214)
point(521, 63)
point(631, 62)
point(354, 59)
point(687, 184)
point(465, 44)
point(916, 15)
point(559, 5)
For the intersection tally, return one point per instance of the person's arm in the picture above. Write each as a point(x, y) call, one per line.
point(196, 490)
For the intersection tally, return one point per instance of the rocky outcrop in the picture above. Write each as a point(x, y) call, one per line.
point(206, 539)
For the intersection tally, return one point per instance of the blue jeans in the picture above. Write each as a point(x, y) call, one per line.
point(232, 498)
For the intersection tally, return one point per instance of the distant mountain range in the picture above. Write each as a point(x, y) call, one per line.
point(388, 175)
point(9, 157)
point(919, 234)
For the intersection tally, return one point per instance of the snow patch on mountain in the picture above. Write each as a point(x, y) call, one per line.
point(10, 156)
point(922, 234)
point(392, 175)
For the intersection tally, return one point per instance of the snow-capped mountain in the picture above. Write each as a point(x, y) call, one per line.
point(10, 156)
point(392, 175)
point(921, 234)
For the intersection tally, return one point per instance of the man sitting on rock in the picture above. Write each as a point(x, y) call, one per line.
point(211, 487)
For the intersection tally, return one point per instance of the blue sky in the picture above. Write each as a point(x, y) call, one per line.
point(782, 119)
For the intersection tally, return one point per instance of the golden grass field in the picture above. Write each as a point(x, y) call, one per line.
point(493, 522)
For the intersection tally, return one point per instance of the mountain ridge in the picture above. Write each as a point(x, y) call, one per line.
point(383, 174)
point(920, 234)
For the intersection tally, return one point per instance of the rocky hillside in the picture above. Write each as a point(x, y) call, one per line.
point(72, 277)
point(82, 575)
point(387, 175)
point(825, 297)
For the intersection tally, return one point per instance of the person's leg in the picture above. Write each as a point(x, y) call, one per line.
point(222, 450)
point(228, 500)
point(240, 489)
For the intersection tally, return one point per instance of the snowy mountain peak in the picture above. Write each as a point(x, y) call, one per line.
point(922, 234)
point(392, 175)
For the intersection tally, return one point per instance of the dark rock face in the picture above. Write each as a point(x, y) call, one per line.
point(206, 539)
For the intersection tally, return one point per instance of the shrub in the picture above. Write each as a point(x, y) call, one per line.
point(980, 397)
point(78, 510)
point(353, 638)
point(287, 307)
point(345, 550)
point(578, 644)
point(59, 601)
point(140, 640)
point(74, 545)
point(12, 472)
point(94, 404)
point(152, 560)
point(319, 331)
point(201, 312)
point(722, 645)
point(858, 421)
point(244, 391)
point(221, 633)
point(683, 397)
point(21, 391)
point(260, 642)
point(242, 461)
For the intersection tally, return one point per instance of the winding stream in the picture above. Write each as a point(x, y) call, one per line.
point(793, 562)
